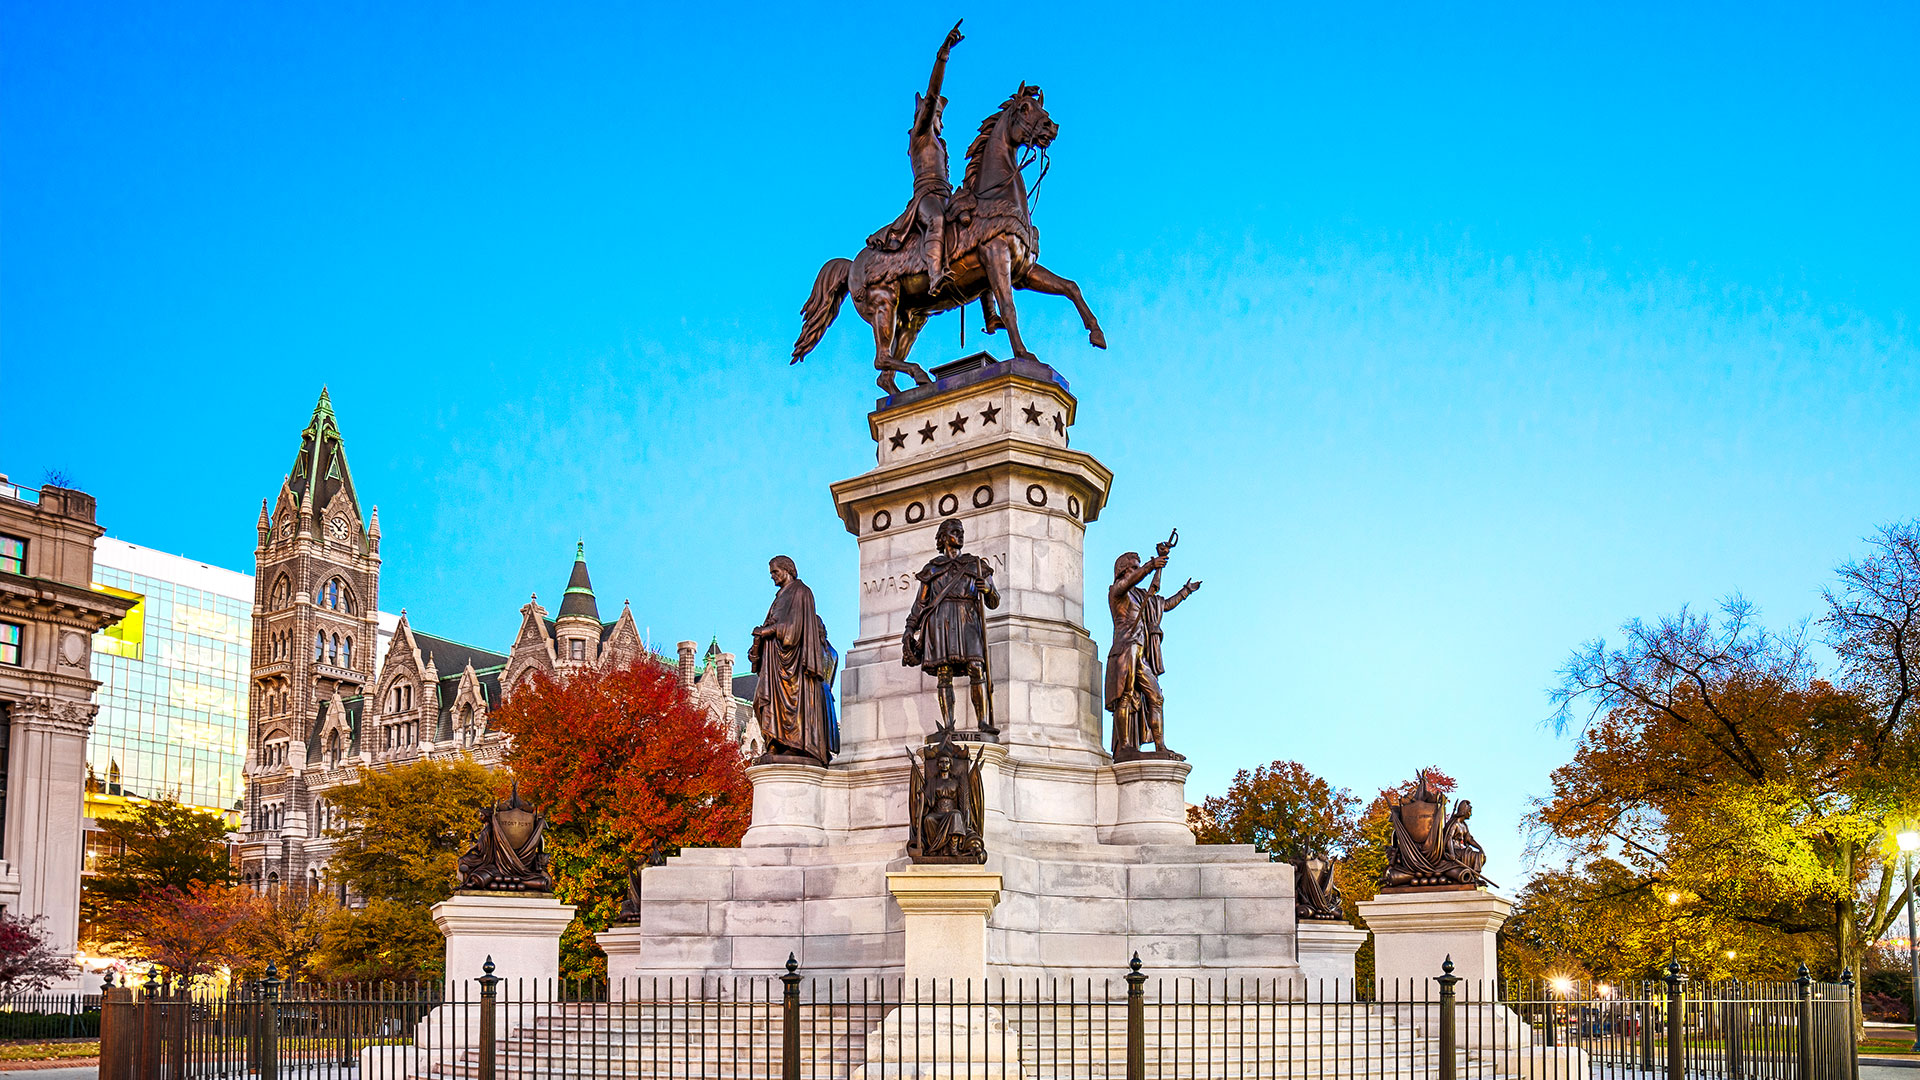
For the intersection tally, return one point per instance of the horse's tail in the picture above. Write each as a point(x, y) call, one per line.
point(818, 312)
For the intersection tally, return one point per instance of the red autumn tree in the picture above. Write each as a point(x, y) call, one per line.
point(618, 761)
point(196, 931)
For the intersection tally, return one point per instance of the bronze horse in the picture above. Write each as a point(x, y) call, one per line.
point(993, 248)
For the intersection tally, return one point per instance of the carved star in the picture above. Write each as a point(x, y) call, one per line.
point(1033, 414)
point(898, 438)
point(958, 424)
point(926, 433)
point(1059, 425)
point(990, 414)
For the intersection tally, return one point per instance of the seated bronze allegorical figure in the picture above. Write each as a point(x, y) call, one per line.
point(509, 853)
point(1315, 895)
point(946, 803)
point(1428, 848)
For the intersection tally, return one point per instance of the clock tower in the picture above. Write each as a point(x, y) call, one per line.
point(315, 612)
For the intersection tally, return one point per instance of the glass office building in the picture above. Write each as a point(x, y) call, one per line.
point(173, 682)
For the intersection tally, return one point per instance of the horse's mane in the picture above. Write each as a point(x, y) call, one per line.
point(976, 150)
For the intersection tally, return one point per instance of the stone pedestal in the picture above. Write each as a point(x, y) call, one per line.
point(786, 806)
point(1415, 931)
point(1326, 949)
point(520, 931)
point(945, 910)
point(1094, 860)
point(622, 944)
point(1152, 795)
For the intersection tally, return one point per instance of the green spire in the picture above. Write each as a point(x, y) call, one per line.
point(579, 599)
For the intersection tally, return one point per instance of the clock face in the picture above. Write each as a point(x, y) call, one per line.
point(338, 527)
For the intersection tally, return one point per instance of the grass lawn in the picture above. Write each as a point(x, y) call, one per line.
point(47, 1051)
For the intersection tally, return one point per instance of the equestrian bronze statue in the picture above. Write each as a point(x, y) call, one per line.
point(949, 248)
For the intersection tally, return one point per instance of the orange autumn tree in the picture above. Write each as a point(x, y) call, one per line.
point(617, 761)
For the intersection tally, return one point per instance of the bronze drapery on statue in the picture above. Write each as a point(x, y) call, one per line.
point(509, 853)
point(1135, 661)
point(1429, 849)
point(1315, 896)
point(946, 803)
point(793, 698)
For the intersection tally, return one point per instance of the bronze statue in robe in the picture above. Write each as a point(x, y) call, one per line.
point(926, 212)
point(509, 853)
point(946, 803)
point(1134, 660)
point(946, 631)
point(1315, 895)
point(1429, 849)
point(793, 698)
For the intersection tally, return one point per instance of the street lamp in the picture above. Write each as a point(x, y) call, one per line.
point(1909, 842)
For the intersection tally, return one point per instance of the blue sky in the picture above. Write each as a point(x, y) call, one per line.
point(1447, 338)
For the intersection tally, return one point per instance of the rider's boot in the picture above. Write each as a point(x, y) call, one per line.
point(937, 276)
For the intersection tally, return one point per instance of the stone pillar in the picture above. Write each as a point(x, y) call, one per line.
point(1326, 949)
point(521, 931)
point(1416, 930)
point(1152, 793)
point(786, 806)
point(47, 766)
point(946, 910)
point(621, 943)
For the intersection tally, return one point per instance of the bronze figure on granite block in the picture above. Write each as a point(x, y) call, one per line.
point(1429, 849)
point(509, 853)
point(947, 626)
point(793, 698)
point(1134, 661)
point(946, 803)
point(1315, 895)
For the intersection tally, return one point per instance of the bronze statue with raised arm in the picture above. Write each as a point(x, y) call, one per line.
point(1134, 661)
point(926, 212)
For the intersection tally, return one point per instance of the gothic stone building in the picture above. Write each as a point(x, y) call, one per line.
point(320, 710)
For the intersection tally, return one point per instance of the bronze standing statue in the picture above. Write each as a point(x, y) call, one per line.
point(947, 626)
point(984, 232)
point(1134, 661)
point(1430, 849)
point(509, 853)
point(946, 803)
point(793, 699)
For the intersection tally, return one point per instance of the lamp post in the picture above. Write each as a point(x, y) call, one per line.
point(1909, 842)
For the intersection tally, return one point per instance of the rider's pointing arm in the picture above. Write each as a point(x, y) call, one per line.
point(930, 104)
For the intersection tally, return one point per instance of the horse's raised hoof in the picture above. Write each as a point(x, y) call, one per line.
point(1099, 339)
point(994, 325)
point(920, 376)
point(888, 384)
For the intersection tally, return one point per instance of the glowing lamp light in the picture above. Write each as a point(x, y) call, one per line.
point(1909, 841)
point(1673, 898)
point(1561, 984)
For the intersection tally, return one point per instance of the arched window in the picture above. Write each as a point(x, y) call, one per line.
point(346, 653)
point(320, 646)
point(333, 749)
point(333, 594)
point(333, 651)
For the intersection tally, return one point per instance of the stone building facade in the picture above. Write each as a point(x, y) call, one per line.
point(323, 707)
point(49, 611)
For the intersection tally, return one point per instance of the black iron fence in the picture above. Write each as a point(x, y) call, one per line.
point(50, 1016)
point(1132, 1027)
